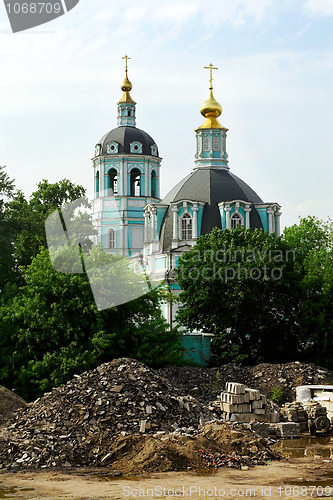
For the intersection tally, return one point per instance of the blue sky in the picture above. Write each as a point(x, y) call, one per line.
point(60, 84)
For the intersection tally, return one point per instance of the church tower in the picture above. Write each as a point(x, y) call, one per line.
point(127, 178)
point(211, 135)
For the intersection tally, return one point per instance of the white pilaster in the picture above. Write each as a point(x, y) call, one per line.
point(174, 222)
point(195, 209)
point(270, 220)
point(278, 221)
point(126, 238)
point(227, 210)
point(147, 180)
point(247, 211)
point(146, 226)
point(153, 224)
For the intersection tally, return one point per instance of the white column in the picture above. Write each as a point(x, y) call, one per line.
point(146, 226)
point(270, 220)
point(153, 224)
point(123, 178)
point(195, 209)
point(278, 227)
point(227, 210)
point(247, 211)
point(126, 238)
point(174, 222)
point(147, 180)
point(121, 231)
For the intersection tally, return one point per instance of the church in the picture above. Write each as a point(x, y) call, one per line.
point(132, 219)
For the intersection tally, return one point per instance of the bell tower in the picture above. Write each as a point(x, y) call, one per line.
point(127, 178)
point(211, 136)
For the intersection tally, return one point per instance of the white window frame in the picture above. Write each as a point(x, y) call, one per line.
point(136, 147)
point(236, 216)
point(111, 241)
point(186, 231)
point(216, 142)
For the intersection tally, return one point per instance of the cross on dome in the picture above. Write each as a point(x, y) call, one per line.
point(126, 66)
point(210, 67)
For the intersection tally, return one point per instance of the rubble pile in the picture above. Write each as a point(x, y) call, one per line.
point(218, 459)
point(314, 410)
point(206, 383)
point(9, 402)
point(295, 412)
point(273, 431)
point(76, 424)
point(242, 404)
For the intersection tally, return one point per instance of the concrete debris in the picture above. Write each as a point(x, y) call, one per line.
point(242, 404)
point(77, 422)
point(206, 383)
point(314, 410)
point(295, 412)
point(128, 415)
point(301, 413)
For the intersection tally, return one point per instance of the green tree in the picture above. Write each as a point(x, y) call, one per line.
point(242, 286)
point(312, 238)
point(28, 217)
point(52, 329)
point(6, 257)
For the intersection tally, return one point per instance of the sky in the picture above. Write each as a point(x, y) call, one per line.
point(60, 84)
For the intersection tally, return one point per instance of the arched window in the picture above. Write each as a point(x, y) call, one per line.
point(186, 227)
point(153, 180)
point(97, 184)
point(206, 143)
point(112, 181)
point(135, 182)
point(236, 221)
point(111, 240)
point(216, 143)
point(137, 238)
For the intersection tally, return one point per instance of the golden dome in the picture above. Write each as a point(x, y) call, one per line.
point(211, 107)
point(126, 86)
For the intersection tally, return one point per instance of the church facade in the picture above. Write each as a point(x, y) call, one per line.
point(132, 219)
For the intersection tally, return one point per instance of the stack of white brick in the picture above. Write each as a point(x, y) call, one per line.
point(242, 404)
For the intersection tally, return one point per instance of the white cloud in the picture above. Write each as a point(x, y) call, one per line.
point(319, 8)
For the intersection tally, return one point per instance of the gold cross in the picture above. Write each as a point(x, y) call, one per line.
point(210, 67)
point(126, 57)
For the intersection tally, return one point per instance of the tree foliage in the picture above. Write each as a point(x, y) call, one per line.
point(52, 329)
point(265, 299)
point(6, 228)
point(313, 238)
point(241, 286)
point(28, 217)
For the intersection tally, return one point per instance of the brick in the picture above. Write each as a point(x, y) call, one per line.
point(287, 429)
point(274, 417)
point(229, 408)
point(254, 395)
point(256, 404)
point(226, 397)
point(235, 388)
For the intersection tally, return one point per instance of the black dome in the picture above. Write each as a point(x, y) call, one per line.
point(124, 136)
point(210, 186)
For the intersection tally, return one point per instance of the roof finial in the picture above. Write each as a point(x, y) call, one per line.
point(211, 109)
point(126, 67)
point(126, 86)
point(210, 67)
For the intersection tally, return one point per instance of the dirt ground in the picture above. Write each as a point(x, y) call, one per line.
point(275, 481)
